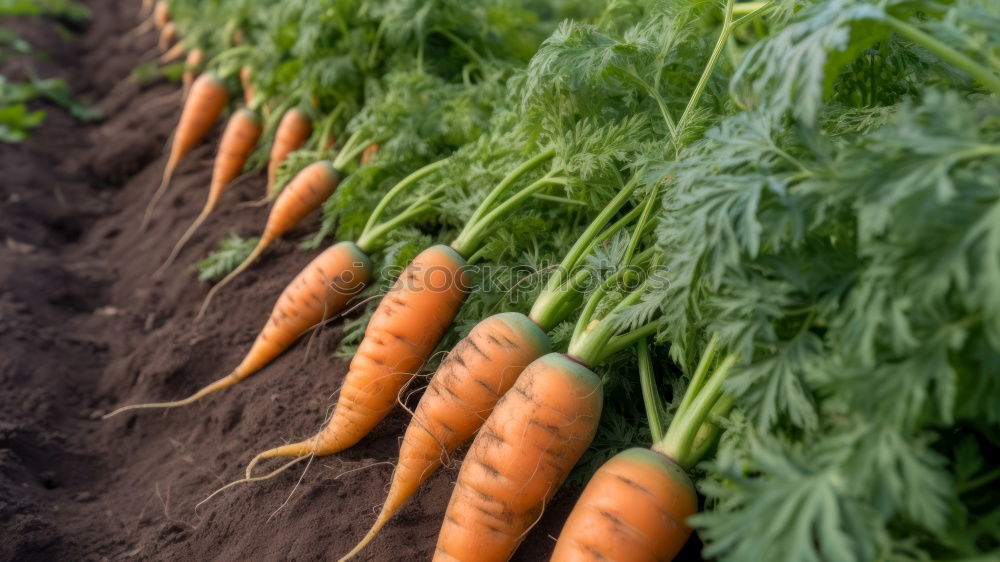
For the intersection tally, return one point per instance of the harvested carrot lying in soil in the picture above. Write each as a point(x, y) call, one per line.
point(201, 110)
point(462, 393)
point(238, 141)
point(319, 291)
point(520, 458)
point(633, 508)
point(429, 293)
point(292, 133)
point(303, 194)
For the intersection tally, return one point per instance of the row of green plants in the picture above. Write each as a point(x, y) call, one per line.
point(775, 225)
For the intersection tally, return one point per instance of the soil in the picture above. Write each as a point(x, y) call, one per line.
point(84, 328)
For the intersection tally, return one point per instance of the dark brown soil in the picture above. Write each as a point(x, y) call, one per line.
point(83, 328)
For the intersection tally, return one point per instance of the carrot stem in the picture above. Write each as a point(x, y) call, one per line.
point(397, 189)
point(470, 238)
point(651, 399)
point(677, 444)
point(505, 183)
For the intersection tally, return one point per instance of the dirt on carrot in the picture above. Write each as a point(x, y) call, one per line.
point(84, 327)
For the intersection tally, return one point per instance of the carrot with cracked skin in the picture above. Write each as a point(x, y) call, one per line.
point(400, 336)
point(202, 108)
point(238, 141)
point(319, 291)
point(292, 133)
point(484, 365)
point(303, 194)
point(462, 393)
point(633, 508)
point(520, 458)
point(380, 369)
point(636, 505)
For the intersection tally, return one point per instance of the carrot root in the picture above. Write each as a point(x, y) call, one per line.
point(224, 382)
point(168, 173)
point(183, 240)
point(257, 251)
point(300, 450)
point(267, 476)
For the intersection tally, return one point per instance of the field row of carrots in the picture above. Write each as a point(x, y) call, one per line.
point(554, 138)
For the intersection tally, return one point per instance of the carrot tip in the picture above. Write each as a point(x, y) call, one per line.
point(267, 476)
point(224, 382)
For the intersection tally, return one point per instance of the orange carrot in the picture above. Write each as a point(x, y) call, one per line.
point(305, 193)
point(400, 337)
point(292, 132)
point(192, 65)
point(237, 37)
point(246, 74)
point(319, 291)
point(633, 508)
point(460, 396)
point(207, 100)
point(161, 14)
point(369, 154)
point(524, 452)
point(168, 34)
point(238, 141)
point(173, 53)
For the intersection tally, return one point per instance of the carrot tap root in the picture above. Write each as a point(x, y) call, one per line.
point(224, 382)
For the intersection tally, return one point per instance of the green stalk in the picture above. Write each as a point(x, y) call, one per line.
point(590, 339)
point(713, 59)
point(948, 54)
point(472, 235)
point(700, 374)
point(397, 189)
point(368, 241)
point(506, 182)
point(628, 339)
point(550, 306)
point(351, 149)
point(464, 47)
point(682, 432)
point(650, 396)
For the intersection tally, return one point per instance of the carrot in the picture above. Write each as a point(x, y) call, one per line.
point(238, 141)
point(168, 34)
point(292, 132)
point(636, 506)
point(523, 454)
point(173, 53)
point(369, 154)
point(246, 74)
point(161, 14)
point(633, 508)
point(207, 100)
point(400, 337)
point(192, 64)
point(319, 291)
point(461, 395)
point(306, 192)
